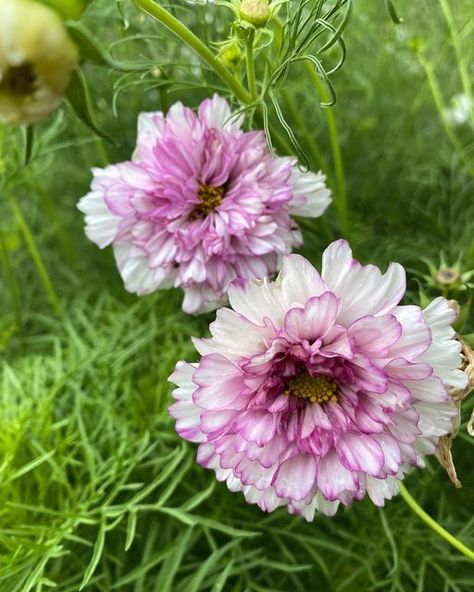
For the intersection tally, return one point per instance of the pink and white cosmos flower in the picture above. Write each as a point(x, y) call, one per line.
point(200, 204)
point(315, 390)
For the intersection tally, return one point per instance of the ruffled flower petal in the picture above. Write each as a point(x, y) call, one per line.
point(311, 197)
point(363, 289)
point(316, 391)
point(101, 225)
point(201, 203)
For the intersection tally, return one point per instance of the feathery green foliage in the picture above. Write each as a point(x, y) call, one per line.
point(97, 491)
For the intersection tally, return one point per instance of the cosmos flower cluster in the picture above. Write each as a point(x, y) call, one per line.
point(314, 389)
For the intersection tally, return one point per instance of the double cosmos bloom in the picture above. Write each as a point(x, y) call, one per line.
point(317, 389)
point(200, 204)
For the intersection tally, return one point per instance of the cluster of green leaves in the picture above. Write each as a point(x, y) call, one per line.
point(97, 491)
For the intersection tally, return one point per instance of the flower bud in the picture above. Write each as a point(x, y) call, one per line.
point(447, 276)
point(230, 54)
point(68, 9)
point(36, 60)
point(255, 12)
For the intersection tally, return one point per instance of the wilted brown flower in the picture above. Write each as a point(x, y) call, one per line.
point(443, 452)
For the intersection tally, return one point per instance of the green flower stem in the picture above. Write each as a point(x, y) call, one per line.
point(319, 225)
point(11, 281)
point(300, 123)
point(188, 37)
point(435, 91)
point(438, 529)
point(54, 215)
point(36, 256)
point(250, 66)
point(340, 197)
point(164, 102)
point(460, 56)
point(99, 142)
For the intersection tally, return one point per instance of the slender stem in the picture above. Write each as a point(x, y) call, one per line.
point(438, 529)
point(340, 197)
point(54, 215)
point(250, 66)
point(36, 256)
point(99, 142)
point(11, 281)
point(188, 37)
point(29, 133)
point(318, 225)
point(460, 56)
point(301, 125)
point(435, 91)
point(164, 103)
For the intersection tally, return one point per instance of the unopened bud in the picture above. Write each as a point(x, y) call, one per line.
point(230, 54)
point(447, 276)
point(255, 12)
point(37, 58)
point(68, 9)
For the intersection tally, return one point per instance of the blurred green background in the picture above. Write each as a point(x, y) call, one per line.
point(96, 488)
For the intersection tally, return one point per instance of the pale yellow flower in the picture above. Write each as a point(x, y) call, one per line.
point(36, 60)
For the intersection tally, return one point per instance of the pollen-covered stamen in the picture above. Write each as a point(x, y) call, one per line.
point(210, 197)
point(19, 80)
point(315, 389)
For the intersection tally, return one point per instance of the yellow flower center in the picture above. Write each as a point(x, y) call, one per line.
point(210, 198)
point(19, 80)
point(315, 389)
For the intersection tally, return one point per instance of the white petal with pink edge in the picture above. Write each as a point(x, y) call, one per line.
point(360, 452)
point(101, 225)
point(363, 289)
point(216, 112)
point(444, 354)
point(311, 197)
point(314, 320)
point(295, 477)
point(334, 478)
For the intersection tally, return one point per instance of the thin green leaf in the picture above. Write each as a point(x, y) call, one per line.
point(193, 520)
point(79, 98)
point(29, 143)
point(194, 584)
point(30, 466)
point(96, 555)
point(131, 529)
point(392, 12)
point(172, 564)
point(91, 51)
point(223, 577)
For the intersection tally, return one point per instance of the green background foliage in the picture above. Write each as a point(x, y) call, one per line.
point(97, 491)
